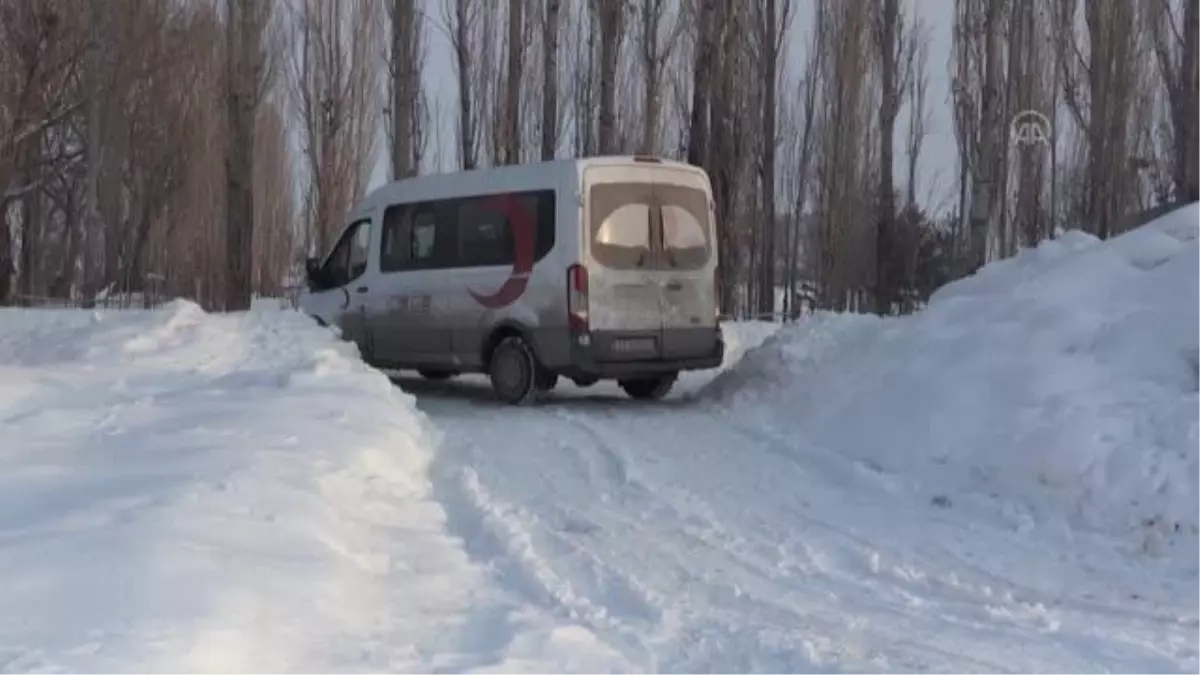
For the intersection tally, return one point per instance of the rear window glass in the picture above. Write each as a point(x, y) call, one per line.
point(638, 226)
point(620, 221)
point(686, 230)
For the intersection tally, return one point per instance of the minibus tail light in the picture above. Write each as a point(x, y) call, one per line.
point(577, 298)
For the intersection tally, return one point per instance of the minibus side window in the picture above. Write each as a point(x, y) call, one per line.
point(349, 257)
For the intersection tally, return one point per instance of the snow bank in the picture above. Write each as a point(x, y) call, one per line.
point(1061, 383)
point(743, 336)
point(181, 491)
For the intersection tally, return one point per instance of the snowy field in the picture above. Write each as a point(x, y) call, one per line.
point(186, 492)
point(1006, 481)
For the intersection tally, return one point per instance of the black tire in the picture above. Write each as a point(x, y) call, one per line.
point(649, 388)
point(514, 371)
point(436, 375)
point(546, 381)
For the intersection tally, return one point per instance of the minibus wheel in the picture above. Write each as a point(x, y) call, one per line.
point(514, 371)
point(547, 380)
point(649, 388)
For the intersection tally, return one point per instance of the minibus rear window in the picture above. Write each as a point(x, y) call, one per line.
point(686, 242)
point(649, 226)
point(620, 225)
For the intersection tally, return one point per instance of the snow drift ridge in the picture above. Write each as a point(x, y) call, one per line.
point(1062, 381)
point(184, 491)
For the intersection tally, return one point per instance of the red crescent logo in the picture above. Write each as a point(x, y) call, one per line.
point(521, 224)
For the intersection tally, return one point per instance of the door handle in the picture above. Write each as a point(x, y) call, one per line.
point(674, 286)
point(361, 289)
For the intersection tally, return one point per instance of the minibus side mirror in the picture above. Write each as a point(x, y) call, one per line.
point(312, 271)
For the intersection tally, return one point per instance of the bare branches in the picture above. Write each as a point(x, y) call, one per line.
point(654, 49)
point(334, 87)
point(610, 19)
point(134, 132)
point(551, 22)
point(461, 17)
point(917, 60)
point(405, 65)
point(1175, 51)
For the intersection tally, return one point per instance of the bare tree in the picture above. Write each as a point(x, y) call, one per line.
point(1099, 86)
point(654, 49)
point(800, 150)
point(712, 139)
point(984, 207)
point(773, 20)
point(918, 117)
point(842, 170)
point(1029, 88)
point(1175, 40)
point(43, 50)
point(405, 66)
point(889, 44)
point(610, 15)
point(510, 119)
point(703, 20)
point(461, 17)
point(114, 170)
point(334, 89)
point(487, 81)
point(246, 73)
point(274, 203)
point(550, 26)
point(911, 236)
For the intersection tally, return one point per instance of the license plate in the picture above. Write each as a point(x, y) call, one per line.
point(633, 345)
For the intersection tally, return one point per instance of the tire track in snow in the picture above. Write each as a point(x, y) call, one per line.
point(599, 458)
point(723, 556)
point(730, 602)
point(699, 525)
point(623, 482)
point(512, 543)
point(850, 561)
point(755, 552)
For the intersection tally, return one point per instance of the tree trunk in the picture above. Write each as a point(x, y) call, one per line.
point(511, 147)
point(722, 161)
point(462, 54)
point(611, 15)
point(770, 68)
point(406, 76)
point(885, 220)
point(244, 35)
point(652, 67)
point(550, 80)
point(30, 230)
point(984, 170)
point(1186, 174)
point(698, 127)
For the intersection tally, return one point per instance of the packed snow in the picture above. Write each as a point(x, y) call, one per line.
point(1006, 481)
point(952, 491)
point(1062, 381)
point(188, 492)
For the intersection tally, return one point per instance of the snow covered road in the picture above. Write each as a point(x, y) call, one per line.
point(185, 492)
point(684, 539)
point(1005, 481)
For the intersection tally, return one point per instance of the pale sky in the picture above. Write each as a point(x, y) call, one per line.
point(937, 164)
